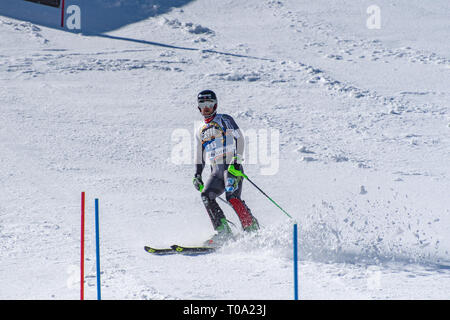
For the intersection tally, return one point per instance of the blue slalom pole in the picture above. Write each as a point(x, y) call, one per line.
point(97, 241)
point(295, 262)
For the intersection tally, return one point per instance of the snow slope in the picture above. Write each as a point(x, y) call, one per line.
point(363, 166)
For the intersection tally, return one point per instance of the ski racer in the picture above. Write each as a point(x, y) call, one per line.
point(220, 142)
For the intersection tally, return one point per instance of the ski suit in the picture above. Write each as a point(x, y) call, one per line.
point(218, 140)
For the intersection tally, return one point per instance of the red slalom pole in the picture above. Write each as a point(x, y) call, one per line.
point(62, 14)
point(82, 247)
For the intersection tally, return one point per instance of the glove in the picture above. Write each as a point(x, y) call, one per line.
point(235, 167)
point(198, 182)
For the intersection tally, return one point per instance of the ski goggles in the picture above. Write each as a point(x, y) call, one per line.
point(206, 103)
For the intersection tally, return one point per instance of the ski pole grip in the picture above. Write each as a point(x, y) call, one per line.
point(235, 172)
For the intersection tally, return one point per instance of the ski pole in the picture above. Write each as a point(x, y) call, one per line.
point(202, 186)
point(239, 173)
point(224, 201)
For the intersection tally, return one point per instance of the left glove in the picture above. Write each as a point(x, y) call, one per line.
point(198, 182)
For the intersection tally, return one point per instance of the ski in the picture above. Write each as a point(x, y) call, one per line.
point(161, 252)
point(176, 249)
point(192, 250)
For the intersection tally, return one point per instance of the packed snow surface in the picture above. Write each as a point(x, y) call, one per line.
point(357, 118)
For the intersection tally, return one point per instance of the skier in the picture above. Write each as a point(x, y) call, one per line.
point(220, 141)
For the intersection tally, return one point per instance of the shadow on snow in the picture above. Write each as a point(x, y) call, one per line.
point(97, 16)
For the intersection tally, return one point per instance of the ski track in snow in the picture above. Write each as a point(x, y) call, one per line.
point(365, 239)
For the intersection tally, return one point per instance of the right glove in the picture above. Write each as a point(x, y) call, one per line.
point(198, 182)
point(235, 167)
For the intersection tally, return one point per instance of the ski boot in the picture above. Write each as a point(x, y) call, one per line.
point(253, 227)
point(248, 221)
point(223, 234)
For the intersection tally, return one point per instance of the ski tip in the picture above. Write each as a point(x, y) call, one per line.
point(158, 251)
point(149, 249)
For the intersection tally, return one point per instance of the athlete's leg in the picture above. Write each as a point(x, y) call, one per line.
point(214, 187)
point(233, 195)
